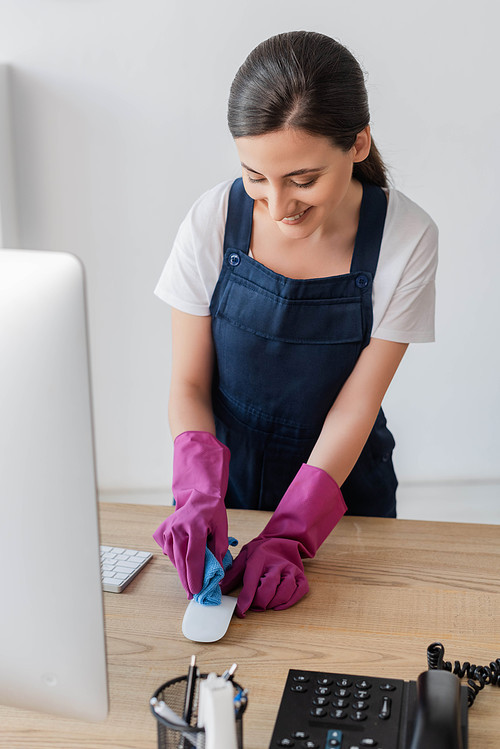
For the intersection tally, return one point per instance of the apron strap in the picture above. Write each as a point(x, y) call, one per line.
point(370, 229)
point(239, 218)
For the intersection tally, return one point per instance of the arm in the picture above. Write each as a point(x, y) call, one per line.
point(352, 416)
point(201, 462)
point(270, 567)
point(190, 400)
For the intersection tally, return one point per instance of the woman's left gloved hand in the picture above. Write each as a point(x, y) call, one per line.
point(272, 573)
point(270, 567)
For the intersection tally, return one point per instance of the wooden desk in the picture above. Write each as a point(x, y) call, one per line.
point(381, 591)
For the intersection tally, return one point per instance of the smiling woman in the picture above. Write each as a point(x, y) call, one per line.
point(295, 292)
point(307, 211)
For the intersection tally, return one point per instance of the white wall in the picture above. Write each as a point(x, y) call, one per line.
point(118, 112)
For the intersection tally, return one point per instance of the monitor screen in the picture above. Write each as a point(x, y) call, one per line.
point(52, 645)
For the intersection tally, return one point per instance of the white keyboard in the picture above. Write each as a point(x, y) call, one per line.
point(120, 566)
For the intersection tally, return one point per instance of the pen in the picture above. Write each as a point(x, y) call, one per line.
point(190, 687)
point(166, 712)
point(229, 672)
point(173, 720)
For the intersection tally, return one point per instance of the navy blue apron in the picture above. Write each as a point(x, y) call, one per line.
point(284, 348)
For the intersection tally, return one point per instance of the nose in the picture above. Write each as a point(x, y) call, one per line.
point(279, 205)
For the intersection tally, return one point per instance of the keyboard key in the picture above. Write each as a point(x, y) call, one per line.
point(119, 566)
point(334, 738)
point(344, 683)
point(363, 684)
point(318, 712)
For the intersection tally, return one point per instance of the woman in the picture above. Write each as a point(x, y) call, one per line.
point(295, 292)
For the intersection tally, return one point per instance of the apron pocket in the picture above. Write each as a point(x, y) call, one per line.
point(307, 321)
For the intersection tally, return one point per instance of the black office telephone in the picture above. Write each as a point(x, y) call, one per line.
point(322, 710)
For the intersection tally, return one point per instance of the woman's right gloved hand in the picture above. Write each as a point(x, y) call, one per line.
point(199, 485)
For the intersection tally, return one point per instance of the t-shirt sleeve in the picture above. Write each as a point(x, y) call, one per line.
point(404, 290)
point(193, 267)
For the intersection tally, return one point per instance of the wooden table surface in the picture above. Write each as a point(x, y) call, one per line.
point(381, 591)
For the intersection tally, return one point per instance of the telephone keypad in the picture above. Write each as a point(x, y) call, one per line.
point(338, 712)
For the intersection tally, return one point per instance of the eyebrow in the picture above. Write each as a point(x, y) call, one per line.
point(295, 173)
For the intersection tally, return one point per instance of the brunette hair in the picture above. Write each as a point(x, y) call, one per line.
point(306, 81)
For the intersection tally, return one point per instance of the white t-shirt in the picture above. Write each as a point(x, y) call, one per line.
point(403, 287)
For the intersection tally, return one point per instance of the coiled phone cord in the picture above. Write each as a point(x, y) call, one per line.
point(478, 676)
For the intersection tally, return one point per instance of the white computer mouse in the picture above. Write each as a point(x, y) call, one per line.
point(208, 623)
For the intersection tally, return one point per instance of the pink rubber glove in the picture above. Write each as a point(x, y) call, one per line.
point(270, 567)
point(199, 485)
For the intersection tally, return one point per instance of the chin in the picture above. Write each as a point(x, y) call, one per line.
point(296, 232)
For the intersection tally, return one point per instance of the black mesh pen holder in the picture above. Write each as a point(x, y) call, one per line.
point(172, 735)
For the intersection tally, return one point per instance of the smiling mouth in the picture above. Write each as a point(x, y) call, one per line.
point(295, 218)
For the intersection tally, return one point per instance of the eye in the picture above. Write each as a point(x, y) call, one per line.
point(304, 184)
point(295, 184)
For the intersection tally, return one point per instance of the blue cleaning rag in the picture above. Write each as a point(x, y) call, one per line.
point(210, 594)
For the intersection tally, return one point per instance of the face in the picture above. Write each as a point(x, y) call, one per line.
point(300, 181)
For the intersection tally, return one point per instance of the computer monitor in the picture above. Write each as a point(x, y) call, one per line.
point(52, 645)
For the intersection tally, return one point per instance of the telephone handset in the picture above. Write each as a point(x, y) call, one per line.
point(438, 714)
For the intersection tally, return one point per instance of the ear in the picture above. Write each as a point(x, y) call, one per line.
point(362, 145)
